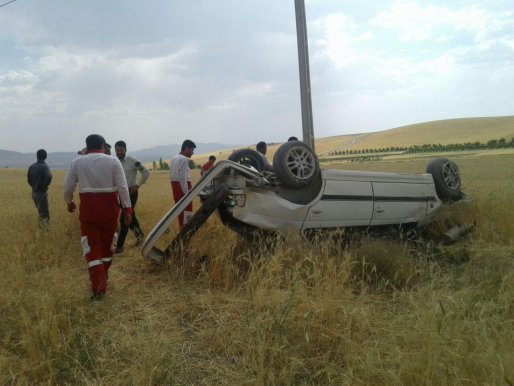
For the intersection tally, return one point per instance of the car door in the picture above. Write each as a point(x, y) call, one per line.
point(399, 202)
point(343, 203)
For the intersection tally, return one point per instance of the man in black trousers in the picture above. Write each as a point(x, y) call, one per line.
point(39, 177)
point(131, 167)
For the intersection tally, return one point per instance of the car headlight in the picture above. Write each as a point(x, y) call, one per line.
point(240, 199)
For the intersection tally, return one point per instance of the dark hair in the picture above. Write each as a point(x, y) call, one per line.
point(120, 144)
point(261, 145)
point(187, 144)
point(41, 154)
point(212, 158)
point(107, 145)
point(94, 142)
point(292, 139)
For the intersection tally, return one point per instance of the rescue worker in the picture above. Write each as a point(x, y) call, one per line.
point(180, 175)
point(39, 178)
point(208, 165)
point(262, 148)
point(130, 166)
point(101, 180)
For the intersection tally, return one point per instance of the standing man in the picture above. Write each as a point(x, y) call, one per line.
point(262, 148)
point(107, 149)
point(181, 177)
point(39, 177)
point(209, 164)
point(101, 180)
point(130, 166)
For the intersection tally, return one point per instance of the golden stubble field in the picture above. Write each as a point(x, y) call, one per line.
point(379, 313)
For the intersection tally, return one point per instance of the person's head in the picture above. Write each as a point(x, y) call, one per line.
point(95, 142)
point(212, 159)
point(107, 149)
point(261, 147)
point(41, 154)
point(188, 148)
point(292, 139)
point(120, 148)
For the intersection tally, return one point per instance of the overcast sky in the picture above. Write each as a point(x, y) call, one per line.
point(226, 71)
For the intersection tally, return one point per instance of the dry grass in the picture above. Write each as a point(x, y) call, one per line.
point(269, 313)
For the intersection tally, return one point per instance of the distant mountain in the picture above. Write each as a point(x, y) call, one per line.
point(61, 160)
point(167, 151)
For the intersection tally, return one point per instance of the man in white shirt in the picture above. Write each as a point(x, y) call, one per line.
point(131, 167)
point(101, 180)
point(181, 178)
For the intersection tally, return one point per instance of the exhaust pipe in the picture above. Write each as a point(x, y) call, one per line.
point(455, 233)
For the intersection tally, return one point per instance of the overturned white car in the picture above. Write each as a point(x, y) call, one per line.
point(299, 196)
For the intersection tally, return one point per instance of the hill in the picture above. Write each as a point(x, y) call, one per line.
point(446, 131)
point(61, 160)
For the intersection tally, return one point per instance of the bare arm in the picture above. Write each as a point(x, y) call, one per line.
point(144, 173)
point(120, 182)
point(70, 183)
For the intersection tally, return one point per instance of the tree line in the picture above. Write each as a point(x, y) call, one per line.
point(431, 148)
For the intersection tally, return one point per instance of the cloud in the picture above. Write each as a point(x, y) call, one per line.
point(227, 71)
point(341, 39)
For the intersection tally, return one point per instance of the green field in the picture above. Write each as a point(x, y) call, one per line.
point(235, 313)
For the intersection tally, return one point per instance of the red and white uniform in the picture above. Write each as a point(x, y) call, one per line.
point(181, 183)
point(101, 182)
point(206, 167)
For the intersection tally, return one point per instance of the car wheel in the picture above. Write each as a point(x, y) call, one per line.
point(446, 176)
point(210, 204)
point(248, 157)
point(296, 165)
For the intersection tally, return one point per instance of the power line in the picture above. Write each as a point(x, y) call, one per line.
point(9, 2)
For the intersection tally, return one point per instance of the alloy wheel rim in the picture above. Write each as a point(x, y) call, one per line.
point(301, 163)
point(451, 175)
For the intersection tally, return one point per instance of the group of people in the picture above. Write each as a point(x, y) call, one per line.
point(108, 189)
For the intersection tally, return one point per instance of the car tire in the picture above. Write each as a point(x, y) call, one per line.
point(210, 204)
point(248, 157)
point(446, 177)
point(296, 165)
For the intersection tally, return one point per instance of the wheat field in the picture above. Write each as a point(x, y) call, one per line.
point(278, 312)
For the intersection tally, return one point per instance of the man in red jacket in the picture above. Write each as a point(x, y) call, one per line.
point(208, 165)
point(101, 184)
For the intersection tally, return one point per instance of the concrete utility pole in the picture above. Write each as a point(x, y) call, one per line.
point(305, 81)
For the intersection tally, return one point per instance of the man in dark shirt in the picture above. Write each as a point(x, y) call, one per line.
point(262, 148)
point(39, 177)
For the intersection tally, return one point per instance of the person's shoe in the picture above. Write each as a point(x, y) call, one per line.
point(95, 297)
point(118, 250)
point(139, 236)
